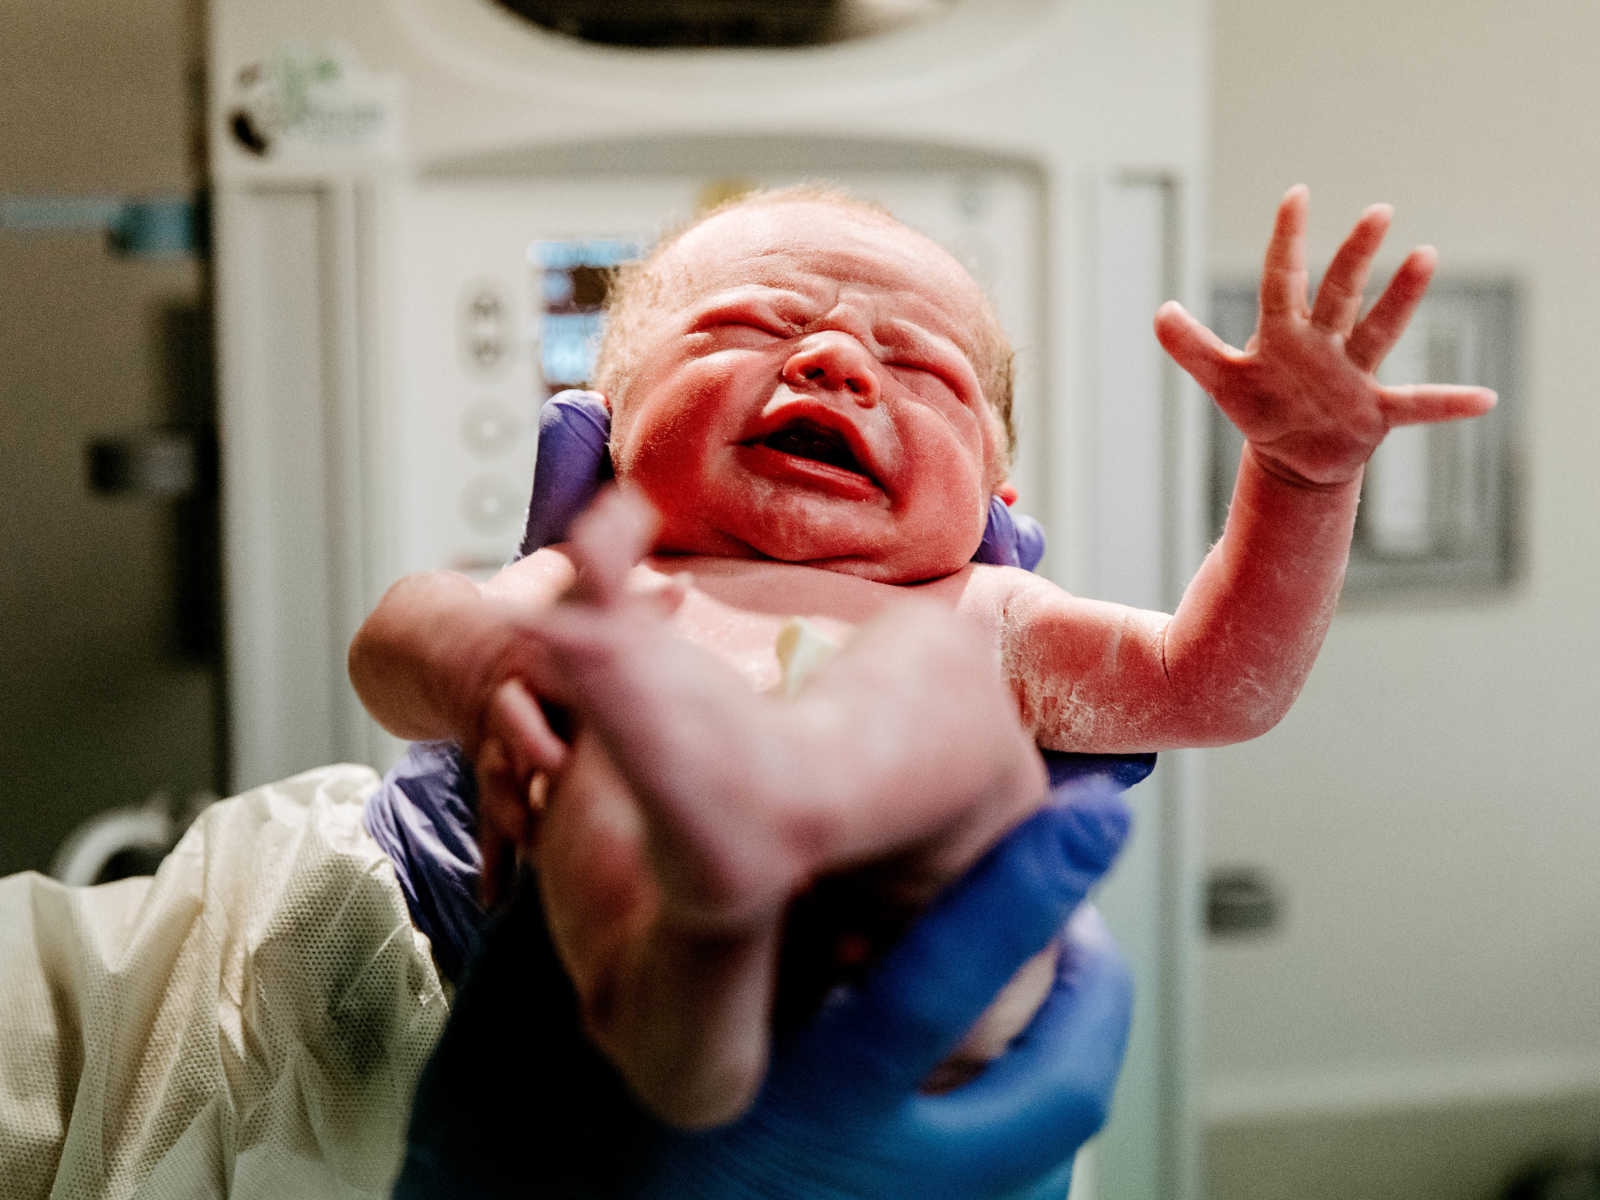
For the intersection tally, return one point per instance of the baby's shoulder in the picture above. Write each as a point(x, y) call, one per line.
point(980, 588)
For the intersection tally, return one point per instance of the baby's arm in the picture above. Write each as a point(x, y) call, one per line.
point(429, 659)
point(443, 658)
point(1228, 663)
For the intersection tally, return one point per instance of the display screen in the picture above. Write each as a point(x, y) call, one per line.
point(572, 278)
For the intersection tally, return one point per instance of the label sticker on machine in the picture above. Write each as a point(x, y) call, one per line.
point(311, 101)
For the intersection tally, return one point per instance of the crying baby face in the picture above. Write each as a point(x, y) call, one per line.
point(809, 384)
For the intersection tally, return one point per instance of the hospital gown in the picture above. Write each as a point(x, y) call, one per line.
point(249, 1022)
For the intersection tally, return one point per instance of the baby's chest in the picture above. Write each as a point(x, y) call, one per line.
point(740, 610)
point(748, 640)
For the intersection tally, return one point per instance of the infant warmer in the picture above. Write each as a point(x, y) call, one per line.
point(414, 202)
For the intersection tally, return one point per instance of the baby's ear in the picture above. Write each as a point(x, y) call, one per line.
point(1007, 492)
point(997, 457)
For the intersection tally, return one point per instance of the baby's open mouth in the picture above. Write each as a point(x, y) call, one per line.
point(804, 438)
point(815, 452)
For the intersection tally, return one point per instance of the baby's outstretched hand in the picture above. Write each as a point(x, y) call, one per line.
point(1303, 390)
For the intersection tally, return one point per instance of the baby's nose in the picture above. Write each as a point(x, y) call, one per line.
point(834, 361)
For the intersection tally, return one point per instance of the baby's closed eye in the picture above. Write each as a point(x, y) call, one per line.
point(766, 330)
point(735, 335)
point(730, 335)
point(923, 377)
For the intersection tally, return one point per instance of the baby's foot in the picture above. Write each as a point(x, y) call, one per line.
point(904, 752)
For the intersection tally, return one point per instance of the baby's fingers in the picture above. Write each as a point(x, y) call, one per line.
point(1283, 274)
point(1339, 293)
point(518, 744)
point(1193, 347)
point(1425, 403)
point(502, 820)
point(515, 717)
point(1381, 328)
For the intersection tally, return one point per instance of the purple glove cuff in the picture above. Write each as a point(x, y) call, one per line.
point(574, 429)
point(424, 816)
point(1010, 539)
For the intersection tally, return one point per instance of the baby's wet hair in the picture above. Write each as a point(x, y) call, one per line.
point(636, 288)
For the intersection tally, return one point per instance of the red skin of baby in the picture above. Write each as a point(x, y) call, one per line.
point(850, 326)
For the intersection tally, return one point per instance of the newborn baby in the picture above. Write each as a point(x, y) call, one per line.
point(815, 401)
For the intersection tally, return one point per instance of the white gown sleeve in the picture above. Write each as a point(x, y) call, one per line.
point(249, 1022)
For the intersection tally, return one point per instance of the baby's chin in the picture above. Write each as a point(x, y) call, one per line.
point(892, 572)
point(883, 555)
point(861, 561)
point(843, 556)
point(780, 526)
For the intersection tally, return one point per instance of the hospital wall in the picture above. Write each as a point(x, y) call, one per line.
point(1427, 1014)
point(108, 692)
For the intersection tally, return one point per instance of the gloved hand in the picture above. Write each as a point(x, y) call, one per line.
point(839, 1114)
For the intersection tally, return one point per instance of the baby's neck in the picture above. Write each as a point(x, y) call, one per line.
point(776, 588)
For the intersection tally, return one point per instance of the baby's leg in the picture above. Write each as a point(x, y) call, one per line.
point(693, 812)
point(680, 1007)
point(667, 919)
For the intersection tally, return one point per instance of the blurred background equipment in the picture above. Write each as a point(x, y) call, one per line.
point(1439, 503)
point(723, 23)
point(682, 22)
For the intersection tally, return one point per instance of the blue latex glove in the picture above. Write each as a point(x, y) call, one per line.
point(515, 1102)
point(424, 815)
